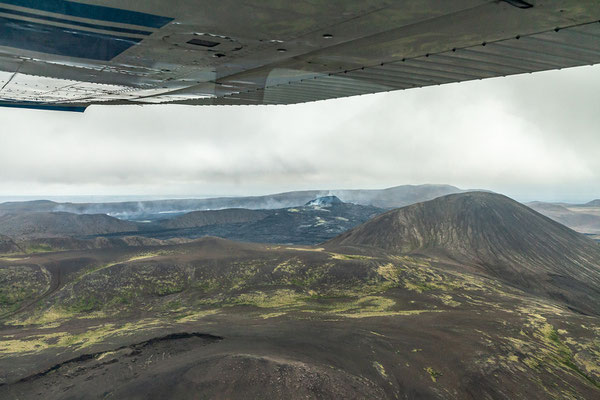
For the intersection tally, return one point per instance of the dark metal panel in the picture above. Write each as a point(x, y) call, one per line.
point(250, 96)
point(479, 53)
point(398, 77)
point(588, 33)
point(432, 63)
point(567, 51)
point(310, 92)
point(457, 58)
point(347, 82)
point(392, 71)
point(406, 67)
point(288, 94)
point(341, 90)
point(390, 84)
point(227, 101)
point(290, 98)
point(570, 39)
point(553, 52)
point(505, 50)
point(352, 81)
point(394, 84)
point(320, 92)
point(242, 100)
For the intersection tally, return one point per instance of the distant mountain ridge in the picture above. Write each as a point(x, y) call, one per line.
point(156, 209)
point(582, 218)
point(494, 235)
point(395, 197)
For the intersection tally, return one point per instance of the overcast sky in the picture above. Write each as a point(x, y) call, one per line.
point(531, 137)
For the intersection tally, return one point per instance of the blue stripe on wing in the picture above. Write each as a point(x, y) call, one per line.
point(68, 42)
point(76, 23)
point(99, 13)
point(42, 106)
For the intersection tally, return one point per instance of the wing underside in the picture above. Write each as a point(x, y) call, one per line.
point(67, 55)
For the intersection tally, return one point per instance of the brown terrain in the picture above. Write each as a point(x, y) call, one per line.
point(468, 296)
point(485, 233)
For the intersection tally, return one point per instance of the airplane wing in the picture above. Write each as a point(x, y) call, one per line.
point(67, 55)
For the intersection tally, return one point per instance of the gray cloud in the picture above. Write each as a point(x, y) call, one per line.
point(530, 136)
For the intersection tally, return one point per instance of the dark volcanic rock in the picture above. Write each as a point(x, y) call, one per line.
point(42, 224)
point(216, 217)
point(321, 219)
point(496, 236)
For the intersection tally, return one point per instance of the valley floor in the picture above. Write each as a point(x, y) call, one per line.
point(220, 319)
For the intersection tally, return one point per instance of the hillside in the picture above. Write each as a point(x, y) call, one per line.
point(217, 217)
point(491, 234)
point(7, 245)
point(28, 206)
point(215, 318)
point(54, 224)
